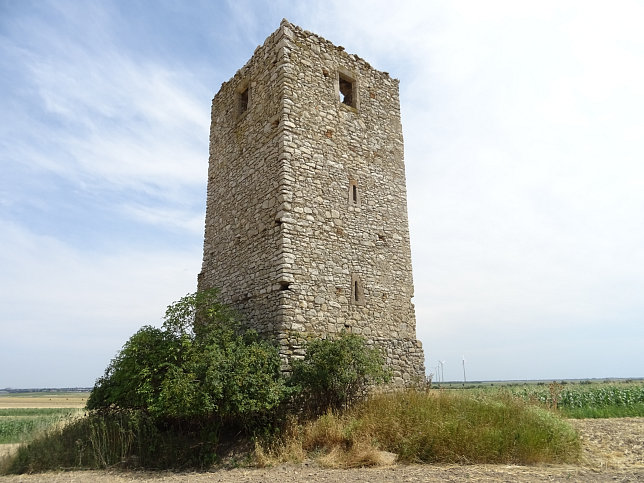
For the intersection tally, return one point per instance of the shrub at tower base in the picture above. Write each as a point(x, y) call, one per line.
point(334, 374)
point(201, 367)
point(202, 364)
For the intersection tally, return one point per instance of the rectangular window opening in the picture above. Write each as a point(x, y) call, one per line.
point(354, 195)
point(243, 101)
point(357, 290)
point(347, 90)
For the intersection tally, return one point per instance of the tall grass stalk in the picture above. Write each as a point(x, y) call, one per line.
point(126, 439)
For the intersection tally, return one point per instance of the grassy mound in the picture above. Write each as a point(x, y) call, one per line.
point(431, 428)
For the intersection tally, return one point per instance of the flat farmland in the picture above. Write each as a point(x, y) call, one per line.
point(23, 415)
point(44, 400)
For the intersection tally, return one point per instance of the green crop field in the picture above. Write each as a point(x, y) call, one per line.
point(22, 424)
point(574, 399)
point(591, 400)
point(23, 415)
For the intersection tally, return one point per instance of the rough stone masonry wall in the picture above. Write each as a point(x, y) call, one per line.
point(337, 236)
point(242, 240)
point(306, 224)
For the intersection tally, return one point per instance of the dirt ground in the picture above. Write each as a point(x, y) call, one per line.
point(613, 451)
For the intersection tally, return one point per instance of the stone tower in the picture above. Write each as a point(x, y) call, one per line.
point(306, 221)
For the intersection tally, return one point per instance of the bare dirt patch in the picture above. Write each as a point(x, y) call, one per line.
point(613, 450)
point(612, 443)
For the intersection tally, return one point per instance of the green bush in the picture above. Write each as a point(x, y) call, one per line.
point(335, 373)
point(201, 365)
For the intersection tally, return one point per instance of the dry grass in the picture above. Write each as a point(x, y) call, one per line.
point(325, 443)
point(429, 428)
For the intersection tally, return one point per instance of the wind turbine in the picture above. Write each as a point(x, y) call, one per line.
point(464, 378)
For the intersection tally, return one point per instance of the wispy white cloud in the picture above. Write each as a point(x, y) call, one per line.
point(101, 118)
point(188, 221)
point(112, 138)
point(132, 124)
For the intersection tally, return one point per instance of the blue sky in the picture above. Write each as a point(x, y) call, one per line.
point(524, 148)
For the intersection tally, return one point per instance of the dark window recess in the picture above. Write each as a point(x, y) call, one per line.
point(284, 285)
point(357, 290)
point(243, 101)
point(354, 195)
point(347, 90)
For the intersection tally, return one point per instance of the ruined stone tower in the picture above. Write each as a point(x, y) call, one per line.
point(306, 221)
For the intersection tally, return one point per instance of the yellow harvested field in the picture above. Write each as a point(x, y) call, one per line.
point(43, 400)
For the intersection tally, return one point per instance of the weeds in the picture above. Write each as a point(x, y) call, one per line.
point(125, 439)
point(432, 428)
